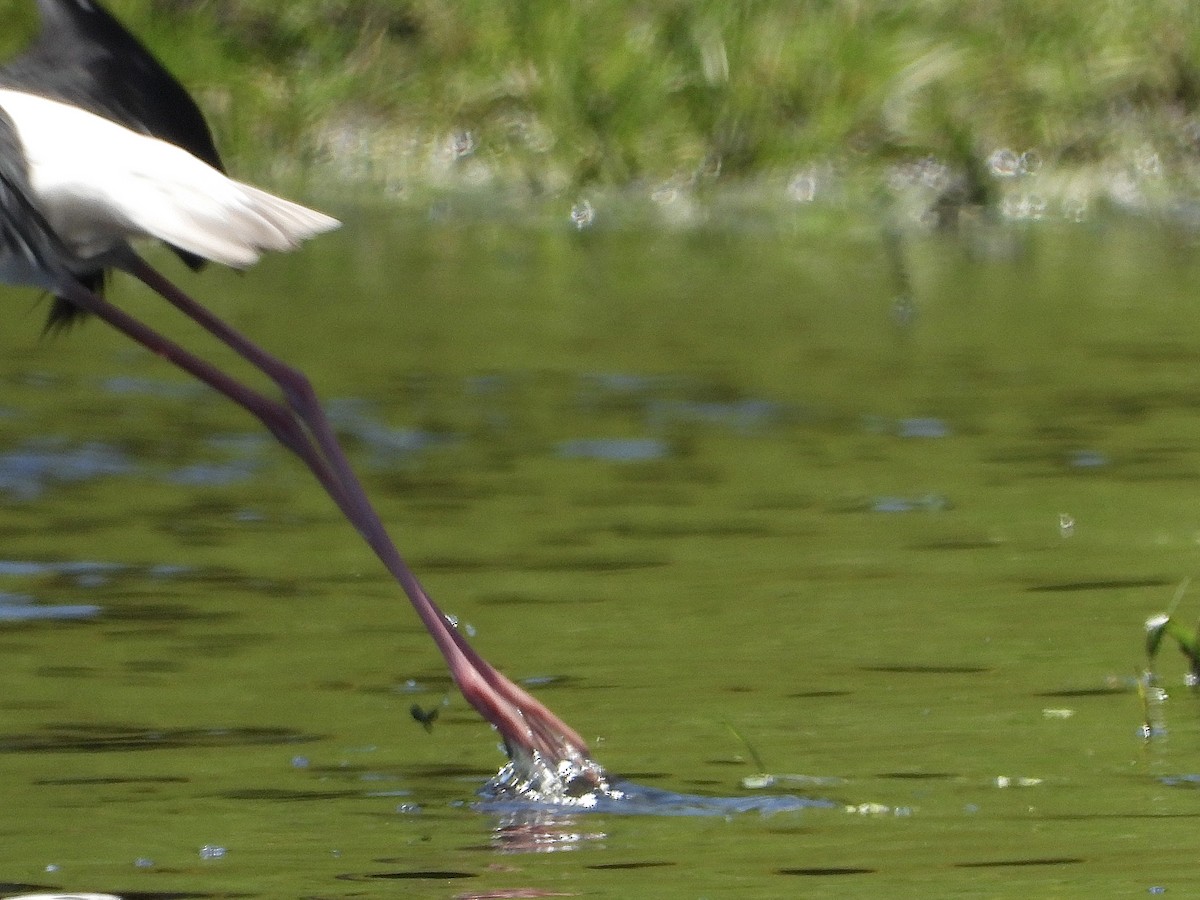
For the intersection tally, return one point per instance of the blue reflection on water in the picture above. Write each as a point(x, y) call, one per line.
point(613, 449)
point(26, 472)
point(84, 573)
point(20, 608)
point(77, 569)
point(387, 444)
point(235, 471)
point(1088, 459)
point(1190, 780)
point(743, 416)
point(926, 427)
point(922, 428)
point(923, 503)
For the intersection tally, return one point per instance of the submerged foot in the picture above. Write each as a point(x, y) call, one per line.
point(530, 777)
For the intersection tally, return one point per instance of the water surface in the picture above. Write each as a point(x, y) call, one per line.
point(731, 498)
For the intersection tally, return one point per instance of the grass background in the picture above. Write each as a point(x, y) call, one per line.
point(562, 95)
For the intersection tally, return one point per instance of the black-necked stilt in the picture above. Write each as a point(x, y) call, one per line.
point(100, 145)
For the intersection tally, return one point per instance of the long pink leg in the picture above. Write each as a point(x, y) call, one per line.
point(524, 723)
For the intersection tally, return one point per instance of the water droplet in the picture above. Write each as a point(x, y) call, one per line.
point(803, 187)
point(1024, 208)
point(583, 214)
point(903, 311)
point(1004, 163)
point(1088, 459)
point(1074, 209)
point(1148, 163)
point(922, 427)
point(461, 144)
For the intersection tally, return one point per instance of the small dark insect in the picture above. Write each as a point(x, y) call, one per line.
point(425, 718)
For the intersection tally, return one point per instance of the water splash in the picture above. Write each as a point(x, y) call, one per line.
point(584, 786)
point(578, 783)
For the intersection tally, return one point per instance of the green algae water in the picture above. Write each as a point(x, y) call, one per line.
point(786, 509)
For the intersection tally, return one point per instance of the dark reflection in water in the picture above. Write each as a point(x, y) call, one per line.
point(162, 779)
point(117, 738)
point(281, 796)
point(826, 870)
point(416, 875)
point(1019, 863)
point(692, 528)
point(1110, 584)
point(902, 669)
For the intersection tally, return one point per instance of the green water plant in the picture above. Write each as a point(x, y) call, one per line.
point(1187, 639)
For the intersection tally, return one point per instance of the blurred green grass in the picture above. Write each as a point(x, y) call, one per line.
point(559, 95)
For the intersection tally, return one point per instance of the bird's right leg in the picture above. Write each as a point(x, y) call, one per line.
point(525, 724)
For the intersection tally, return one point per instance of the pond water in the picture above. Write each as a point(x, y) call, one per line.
point(849, 541)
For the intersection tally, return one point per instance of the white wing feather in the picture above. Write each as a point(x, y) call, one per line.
point(99, 184)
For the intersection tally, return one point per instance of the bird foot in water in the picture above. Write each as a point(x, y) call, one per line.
point(530, 777)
